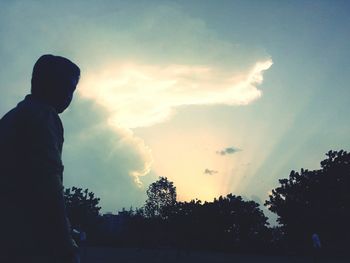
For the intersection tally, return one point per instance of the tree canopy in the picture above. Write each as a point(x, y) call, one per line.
point(227, 221)
point(82, 208)
point(309, 201)
point(161, 195)
point(315, 201)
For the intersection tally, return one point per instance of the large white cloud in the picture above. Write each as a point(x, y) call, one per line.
point(102, 158)
point(138, 95)
point(166, 59)
point(140, 61)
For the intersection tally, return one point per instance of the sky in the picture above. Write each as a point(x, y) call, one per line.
point(219, 96)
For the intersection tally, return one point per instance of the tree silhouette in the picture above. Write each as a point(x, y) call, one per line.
point(228, 223)
point(161, 197)
point(224, 223)
point(315, 201)
point(82, 209)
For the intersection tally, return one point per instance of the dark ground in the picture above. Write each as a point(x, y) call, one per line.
point(133, 255)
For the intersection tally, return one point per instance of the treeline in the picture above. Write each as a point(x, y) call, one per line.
point(307, 202)
point(226, 223)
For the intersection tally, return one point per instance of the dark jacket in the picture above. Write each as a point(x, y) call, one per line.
point(33, 217)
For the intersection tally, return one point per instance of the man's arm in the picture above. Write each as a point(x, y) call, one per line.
point(47, 140)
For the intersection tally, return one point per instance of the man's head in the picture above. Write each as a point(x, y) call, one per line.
point(54, 80)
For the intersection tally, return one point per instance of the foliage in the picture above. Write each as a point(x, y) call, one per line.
point(307, 202)
point(161, 195)
point(227, 222)
point(315, 201)
point(82, 208)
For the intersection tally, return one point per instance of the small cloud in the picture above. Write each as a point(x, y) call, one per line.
point(228, 150)
point(210, 172)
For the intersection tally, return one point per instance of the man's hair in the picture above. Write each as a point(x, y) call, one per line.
point(51, 73)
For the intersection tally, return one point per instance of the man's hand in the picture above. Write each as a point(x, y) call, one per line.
point(70, 254)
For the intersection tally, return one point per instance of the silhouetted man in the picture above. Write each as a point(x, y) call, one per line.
point(33, 221)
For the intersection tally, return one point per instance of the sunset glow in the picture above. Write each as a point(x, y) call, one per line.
point(219, 96)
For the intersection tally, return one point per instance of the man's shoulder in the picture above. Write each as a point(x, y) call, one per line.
point(32, 114)
point(37, 112)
